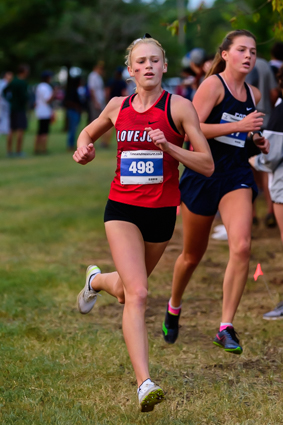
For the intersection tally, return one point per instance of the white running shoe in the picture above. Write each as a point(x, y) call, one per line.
point(149, 395)
point(87, 297)
point(220, 233)
point(275, 314)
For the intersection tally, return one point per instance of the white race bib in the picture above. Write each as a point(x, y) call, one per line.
point(141, 167)
point(235, 139)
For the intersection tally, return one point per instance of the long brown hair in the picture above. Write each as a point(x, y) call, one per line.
point(219, 64)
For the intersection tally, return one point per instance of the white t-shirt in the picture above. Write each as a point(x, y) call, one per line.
point(42, 94)
point(4, 110)
point(95, 83)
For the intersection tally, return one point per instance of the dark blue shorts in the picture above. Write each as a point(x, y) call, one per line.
point(155, 224)
point(202, 195)
point(18, 120)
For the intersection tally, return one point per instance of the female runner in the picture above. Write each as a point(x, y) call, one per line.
point(226, 109)
point(141, 210)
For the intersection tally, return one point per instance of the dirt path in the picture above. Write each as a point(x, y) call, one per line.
point(203, 298)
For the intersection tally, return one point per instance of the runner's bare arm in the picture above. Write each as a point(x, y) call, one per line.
point(85, 149)
point(209, 94)
point(103, 123)
point(186, 120)
point(256, 93)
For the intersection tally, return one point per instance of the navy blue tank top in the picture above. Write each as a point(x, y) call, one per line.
point(231, 151)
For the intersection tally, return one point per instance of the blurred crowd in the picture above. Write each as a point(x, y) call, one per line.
point(77, 95)
point(91, 94)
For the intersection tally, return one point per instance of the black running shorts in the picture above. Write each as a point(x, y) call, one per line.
point(43, 126)
point(156, 224)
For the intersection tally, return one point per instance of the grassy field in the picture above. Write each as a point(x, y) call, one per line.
point(58, 367)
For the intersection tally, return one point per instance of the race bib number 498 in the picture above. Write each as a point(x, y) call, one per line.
point(141, 167)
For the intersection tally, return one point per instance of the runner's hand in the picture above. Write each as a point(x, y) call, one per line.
point(84, 154)
point(252, 122)
point(158, 138)
point(262, 143)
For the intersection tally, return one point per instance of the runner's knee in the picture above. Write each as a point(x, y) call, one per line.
point(191, 260)
point(137, 295)
point(241, 249)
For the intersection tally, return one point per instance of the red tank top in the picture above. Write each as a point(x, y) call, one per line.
point(131, 139)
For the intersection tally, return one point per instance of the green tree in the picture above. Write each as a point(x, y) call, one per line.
point(54, 33)
point(104, 30)
point(20, 25)
point(206, 27)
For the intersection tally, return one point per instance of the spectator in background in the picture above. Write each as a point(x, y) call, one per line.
point(44, 95)
point(97, 91)
point(16, 92)
point(276, 59)
point(208, 64)
point(273, 162)
point(73, 102)
point(262, 77)
point(187, 87)
point(115, 87)
point(198, 64)
point(97, 98)
point(197, 60)
point(4, 104)
point(130, 81)
point(193, 63)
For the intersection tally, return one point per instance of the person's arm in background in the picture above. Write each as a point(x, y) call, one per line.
point(7, 94)
point(274, 132)
point(274, 88)
point(270, 161)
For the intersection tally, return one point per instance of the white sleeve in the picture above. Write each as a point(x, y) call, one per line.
point(270, 162)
